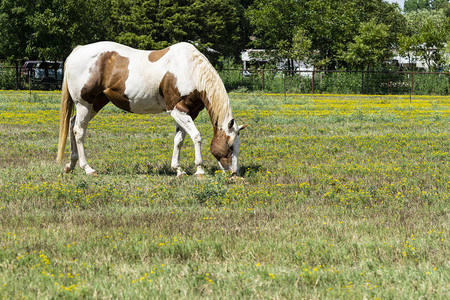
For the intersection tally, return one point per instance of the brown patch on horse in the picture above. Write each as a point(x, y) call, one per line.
point(100, 101)
point(191, 104)
point(154, 56)
point(168, 89)
point(107, 79)
point(220, 147)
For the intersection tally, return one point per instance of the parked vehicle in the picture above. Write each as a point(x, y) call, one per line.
point(44, 72)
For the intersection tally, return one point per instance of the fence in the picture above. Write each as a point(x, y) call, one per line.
point(13, 78)
point(284, 81)
point(338, 82)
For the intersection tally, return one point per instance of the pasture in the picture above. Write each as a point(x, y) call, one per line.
point(341, 197)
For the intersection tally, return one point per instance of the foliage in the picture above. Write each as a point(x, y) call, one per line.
point(447, 56)
point(330, 34)
point(157, 24)
point(341, 197)
point(15, 28)
point(329, 25)
point(60, 25)
point(414, 5)
point(428, 33)
point(301, 46)
point(51, 28)
point(7, 78)
point(371, 46)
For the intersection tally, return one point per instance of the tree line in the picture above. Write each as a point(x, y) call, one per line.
point(326, 33)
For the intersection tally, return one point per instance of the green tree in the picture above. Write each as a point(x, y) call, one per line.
point(371, 46)
point(447, 56)
point(274, 22)
point(60, 25)
point(427, 36)
point(15, 28)
point(49, 28)
point(301, 45)
point(155, 24)
point(207, 23)
point(414, 5)
point(134, 23)
point(330, 25)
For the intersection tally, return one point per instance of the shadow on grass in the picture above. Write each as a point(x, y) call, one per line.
point(136, 169)
point(164, 170)
point(249, 170)
point(246, 170)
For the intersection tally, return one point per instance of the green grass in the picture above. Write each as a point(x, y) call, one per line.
point(341, 197)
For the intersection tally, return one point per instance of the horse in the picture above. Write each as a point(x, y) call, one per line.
point(178, 80)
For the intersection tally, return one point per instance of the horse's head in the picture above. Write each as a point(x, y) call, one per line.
point(225, 146)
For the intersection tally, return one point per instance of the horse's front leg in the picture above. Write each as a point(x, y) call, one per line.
point(178, 143)
point(187, 124)
point(83, 116)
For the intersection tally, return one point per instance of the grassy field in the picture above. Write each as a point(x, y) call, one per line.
point(341, 197)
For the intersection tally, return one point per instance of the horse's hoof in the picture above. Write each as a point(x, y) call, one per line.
point(238, 179)
point(200, 176)
point(181, 175)
point(93, 174)
point(67, 169)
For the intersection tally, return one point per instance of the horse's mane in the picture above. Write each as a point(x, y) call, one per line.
point(208, 80)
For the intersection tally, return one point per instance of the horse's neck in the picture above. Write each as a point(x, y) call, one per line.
point(215, 97)
point(219, 115)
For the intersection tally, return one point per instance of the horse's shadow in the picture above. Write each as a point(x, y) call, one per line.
point(248, 170)
point(243, 169)
point(166, 170)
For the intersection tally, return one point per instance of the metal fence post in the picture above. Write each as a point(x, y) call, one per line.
point(389, 82)
point(263, 80)
point(367, 82)
point(313, 75)
point(29, 80)
point(362, 82)
point(17, 74)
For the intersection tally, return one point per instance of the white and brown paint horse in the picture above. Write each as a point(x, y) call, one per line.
point(178, 80)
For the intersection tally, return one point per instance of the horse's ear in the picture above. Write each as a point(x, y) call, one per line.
point(230, 124)
point(242, 127)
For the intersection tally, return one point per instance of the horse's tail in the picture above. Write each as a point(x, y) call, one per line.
point(65, 115)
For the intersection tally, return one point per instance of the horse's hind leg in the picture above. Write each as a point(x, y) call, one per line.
point(73, 148)
point(178, 143)
point(83, 116)
point(77, 131)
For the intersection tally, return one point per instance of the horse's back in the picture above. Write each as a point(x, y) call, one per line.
point(121, 73)
point(134, 76)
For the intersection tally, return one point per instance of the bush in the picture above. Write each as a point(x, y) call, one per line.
point(7, 79)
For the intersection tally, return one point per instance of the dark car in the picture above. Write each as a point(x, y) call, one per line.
point(42, 71)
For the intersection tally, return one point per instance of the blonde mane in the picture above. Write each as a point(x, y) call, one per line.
point(208, 80)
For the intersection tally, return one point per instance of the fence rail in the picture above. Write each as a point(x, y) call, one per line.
point(290, 81)
point(339, 82)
